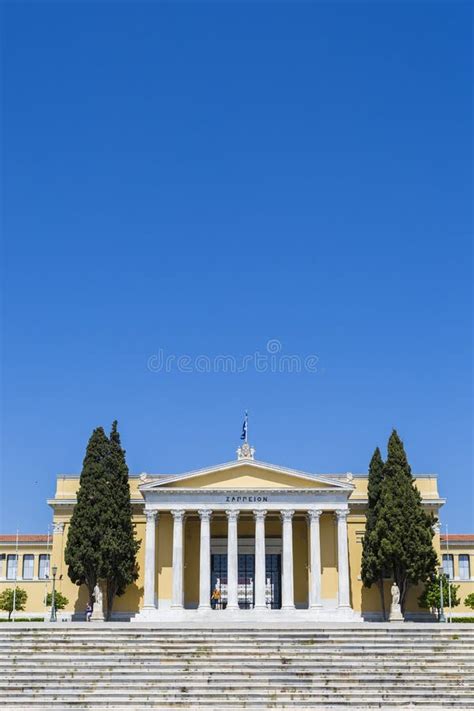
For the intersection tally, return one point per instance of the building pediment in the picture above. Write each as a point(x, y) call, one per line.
point(248, 475)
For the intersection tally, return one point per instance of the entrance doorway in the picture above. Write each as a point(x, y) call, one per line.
point(246, 592)
point(273, 580)
point(246, 577)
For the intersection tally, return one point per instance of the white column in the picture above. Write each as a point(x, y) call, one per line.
point(232, 561)
point(260, 559)
point(314, 558)
point(205, 560)
point(150, 538)
point(342, 559)
point(287, 587)
point(177, 594)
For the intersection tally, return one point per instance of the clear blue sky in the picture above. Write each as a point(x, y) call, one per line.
point(201, 178)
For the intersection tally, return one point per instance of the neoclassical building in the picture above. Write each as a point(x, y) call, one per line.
point(240, 539)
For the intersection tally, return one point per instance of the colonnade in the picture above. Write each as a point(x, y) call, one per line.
point(287, 586)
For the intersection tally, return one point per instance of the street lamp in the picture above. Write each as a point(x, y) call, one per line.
point(442, 618)
point(53, 617)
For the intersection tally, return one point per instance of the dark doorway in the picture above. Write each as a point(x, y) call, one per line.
point(273, 575)
point(246, 578)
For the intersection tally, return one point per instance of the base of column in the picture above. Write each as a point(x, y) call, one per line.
point(260, 608)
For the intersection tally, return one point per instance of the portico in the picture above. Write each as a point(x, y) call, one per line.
point(241, 538)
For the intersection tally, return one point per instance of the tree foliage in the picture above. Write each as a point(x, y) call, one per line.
point(9, 599)
point(119, 546)
point(402, 531)
point(60, 600)
point(469, 601)
point(83, 552)
point(101, 541)
point(430, 598)
point(372, 561)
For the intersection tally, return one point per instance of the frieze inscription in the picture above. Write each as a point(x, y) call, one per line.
point(246, 499)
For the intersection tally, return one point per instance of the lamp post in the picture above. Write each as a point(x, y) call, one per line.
point(442, 618)
point(449, 598)
point(53, 617)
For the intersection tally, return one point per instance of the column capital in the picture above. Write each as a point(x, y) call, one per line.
point(151, 515)
point(260, 514)
point(205, 514)
point(178, 514)
point(287, 515)
point(314, 514)
point(232, 514)
point(341, 514)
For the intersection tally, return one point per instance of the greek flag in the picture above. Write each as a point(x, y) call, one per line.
point(243, 436)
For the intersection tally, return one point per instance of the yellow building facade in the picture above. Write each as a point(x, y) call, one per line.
point(237, 539)
point(457, 552)
point(25, 561)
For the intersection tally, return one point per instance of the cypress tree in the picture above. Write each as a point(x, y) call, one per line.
point(119, 546)
point(402, 528)
point(372, 563)
point(83, 553)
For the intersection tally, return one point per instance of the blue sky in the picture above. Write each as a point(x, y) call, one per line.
point(199, 179)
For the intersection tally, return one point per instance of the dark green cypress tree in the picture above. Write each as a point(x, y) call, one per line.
point(372, 563)
point(402, 527)
point(83, 553)
point(119, 546)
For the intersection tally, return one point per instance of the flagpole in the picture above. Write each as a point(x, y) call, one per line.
point(246, 426)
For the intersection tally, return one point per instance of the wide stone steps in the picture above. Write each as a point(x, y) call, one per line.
point(273, 699)
point(197, 656)
point(238, 644)
point(305, 685)
point(121, 666)
point(49, 631)
point(277, 676)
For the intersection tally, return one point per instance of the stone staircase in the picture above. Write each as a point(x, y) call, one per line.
point(130, 666)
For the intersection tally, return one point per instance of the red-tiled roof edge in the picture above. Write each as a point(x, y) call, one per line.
point(24, 538)
point(457, 537)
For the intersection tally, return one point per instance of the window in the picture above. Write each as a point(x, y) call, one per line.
point(12, 566)
point(448, 565)
point(2, 559)
point(43, 566)
point(464, 568)
point(28, 562)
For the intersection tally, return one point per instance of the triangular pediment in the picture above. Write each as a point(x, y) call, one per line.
point(248, 474)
